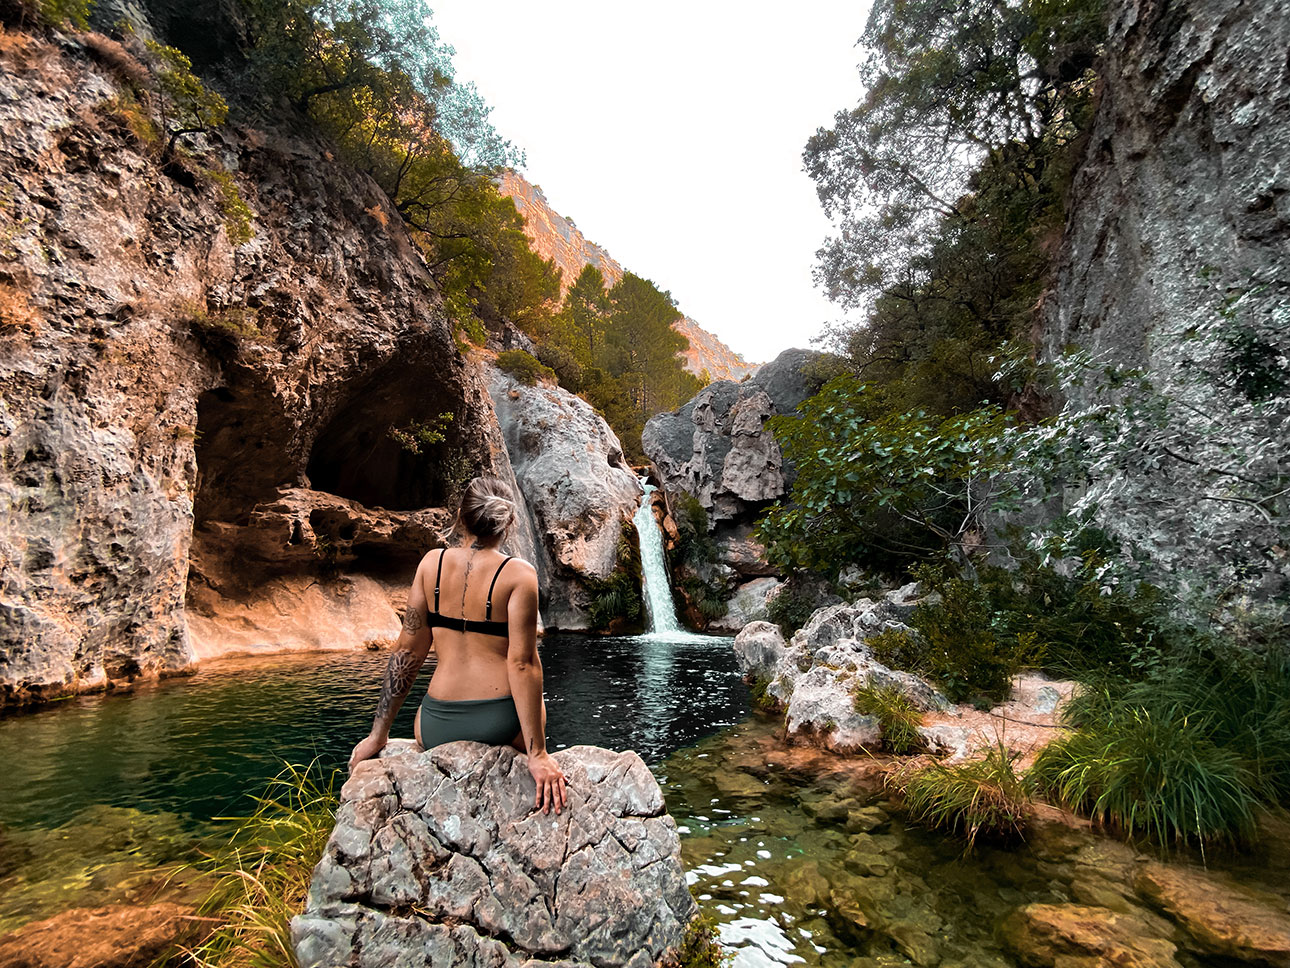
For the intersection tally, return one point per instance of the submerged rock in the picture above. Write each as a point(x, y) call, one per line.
point(115, 936)
point(439, 858)
point(1075, 936)
point(1225, 918)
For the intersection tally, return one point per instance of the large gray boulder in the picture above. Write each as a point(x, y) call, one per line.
point(439, 859)
point(814, 676)
point(716, 447)
point(577, 487)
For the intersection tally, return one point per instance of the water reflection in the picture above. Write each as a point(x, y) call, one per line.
point(198, 747)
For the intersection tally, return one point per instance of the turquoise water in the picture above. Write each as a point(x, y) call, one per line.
point(99, 791)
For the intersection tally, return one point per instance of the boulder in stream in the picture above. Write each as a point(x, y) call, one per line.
point(814, 676)
point(438, 858)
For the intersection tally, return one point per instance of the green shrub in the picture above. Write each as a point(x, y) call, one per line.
point(421, 434)
point(791, 607)
point(237, 214)
point(982, 798)
point(1152, 774)
point(1183, 755)
point(618, 597)
point(262, 875)
point(898, 717)
point(524, 366)
point(189, 106)
point(759, 697)
point(65, 13)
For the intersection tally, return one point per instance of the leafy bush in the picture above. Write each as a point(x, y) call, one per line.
point(898, 717)
point(263, 874)
point(420, 434)
point(982, 798)
point(791, 606)
point(617, 599)
point(225, 329)
point(189, 107)
point(524, 366)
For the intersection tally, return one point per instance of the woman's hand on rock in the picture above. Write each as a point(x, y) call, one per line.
point(367, 747)
point(550, 782)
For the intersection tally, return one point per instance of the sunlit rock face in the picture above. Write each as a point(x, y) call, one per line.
point(578, 490)
point(440, 858)
point(555, 237)
point(162, 385)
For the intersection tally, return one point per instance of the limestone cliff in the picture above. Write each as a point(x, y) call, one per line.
point(166, 389)
point(1183, 197)
point(556, 237)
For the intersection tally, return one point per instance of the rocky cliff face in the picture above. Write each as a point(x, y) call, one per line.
point(165, 389)
point(1183, 198)
point(716, 447)
point(579, 490)
point(555, 237)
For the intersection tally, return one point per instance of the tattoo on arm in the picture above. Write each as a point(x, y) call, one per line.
point(400, 673)
point(537, 745)
point(413, 620)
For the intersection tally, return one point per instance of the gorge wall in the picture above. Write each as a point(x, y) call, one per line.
point(556, 237)
point(1183, 197)
point(198, 431)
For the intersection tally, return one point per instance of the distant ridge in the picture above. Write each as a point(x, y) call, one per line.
point(556, 237)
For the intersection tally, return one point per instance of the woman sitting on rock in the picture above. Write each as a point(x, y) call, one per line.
point(487, 685)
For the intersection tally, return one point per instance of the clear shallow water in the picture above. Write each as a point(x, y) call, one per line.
point(98, 790)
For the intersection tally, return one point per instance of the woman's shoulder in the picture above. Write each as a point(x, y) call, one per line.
point(519, 567)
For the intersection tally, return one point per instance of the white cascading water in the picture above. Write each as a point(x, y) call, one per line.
point(658, 591)
point(659, 606)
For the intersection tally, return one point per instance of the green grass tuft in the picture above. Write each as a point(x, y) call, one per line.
point(700, 948)
point(262, 874)
point(898, 717)
point(983, 798)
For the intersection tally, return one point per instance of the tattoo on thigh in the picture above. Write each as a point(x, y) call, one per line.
point(400, 673)
point(413, 620)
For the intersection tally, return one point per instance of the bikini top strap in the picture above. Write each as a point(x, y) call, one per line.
point(488, 607)
point(438, 575)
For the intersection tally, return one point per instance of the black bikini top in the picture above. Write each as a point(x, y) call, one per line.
point(463, 624)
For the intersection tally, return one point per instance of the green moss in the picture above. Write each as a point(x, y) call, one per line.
point(237, 214)
point(700, 947)
point(759, 697)
point(227, 330)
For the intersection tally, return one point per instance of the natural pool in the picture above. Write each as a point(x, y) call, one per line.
point(800, 857)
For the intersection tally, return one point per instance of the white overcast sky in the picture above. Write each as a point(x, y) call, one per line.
point(672, 133)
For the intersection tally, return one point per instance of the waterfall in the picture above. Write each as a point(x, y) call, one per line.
point(657, 590)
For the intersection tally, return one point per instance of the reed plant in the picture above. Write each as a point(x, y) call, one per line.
point(261, 875)
point(1152, 773)
point(982, 798)
point(897, 716)
point(1185, 755)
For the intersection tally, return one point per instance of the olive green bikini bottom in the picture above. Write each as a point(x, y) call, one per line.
point(492, 721)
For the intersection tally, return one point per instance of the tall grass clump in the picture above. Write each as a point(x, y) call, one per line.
point(897, 716)
point(982, 798)
point(1185, 755)
point(262, 874)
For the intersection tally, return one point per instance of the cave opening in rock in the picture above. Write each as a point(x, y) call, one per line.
point(359, 454)
point(241, 459)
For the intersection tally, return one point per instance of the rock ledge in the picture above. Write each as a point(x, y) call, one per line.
point(438, 858)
